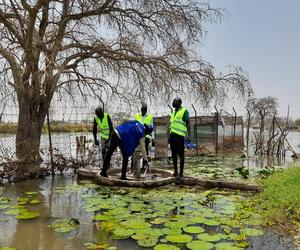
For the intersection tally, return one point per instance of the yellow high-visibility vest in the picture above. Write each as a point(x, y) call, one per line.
point(103, 126)
point(147, 120)
point(177, 125)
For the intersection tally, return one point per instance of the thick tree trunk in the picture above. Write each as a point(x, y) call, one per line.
point(31, 118)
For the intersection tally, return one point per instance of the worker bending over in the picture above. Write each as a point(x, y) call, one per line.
point(127, 136)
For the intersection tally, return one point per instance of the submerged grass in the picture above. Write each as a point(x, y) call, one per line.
point(281, 200)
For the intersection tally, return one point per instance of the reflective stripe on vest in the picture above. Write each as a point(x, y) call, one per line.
point(103, 126)
point(147, 120)
point(177, 125)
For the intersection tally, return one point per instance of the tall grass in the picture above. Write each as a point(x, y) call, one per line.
point(281, 197)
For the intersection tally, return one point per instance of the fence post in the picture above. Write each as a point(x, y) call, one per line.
point(217, 129)
point(50, 143)
point(234, 128)
point(196, 128)
point(248, 131)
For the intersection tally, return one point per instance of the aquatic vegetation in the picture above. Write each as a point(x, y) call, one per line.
point(155, 217)
point(199, 244)
point(64, 225)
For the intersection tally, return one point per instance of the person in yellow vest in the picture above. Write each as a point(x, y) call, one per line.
point(179, 128)
point(147, 119)
point(103, 123)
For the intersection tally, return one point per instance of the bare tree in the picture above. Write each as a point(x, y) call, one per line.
point(263, 108)
point(129, 49)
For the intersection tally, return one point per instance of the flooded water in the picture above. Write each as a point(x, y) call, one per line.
point(130, 209)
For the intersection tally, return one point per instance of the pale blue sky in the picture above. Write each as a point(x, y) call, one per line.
point(262, 36)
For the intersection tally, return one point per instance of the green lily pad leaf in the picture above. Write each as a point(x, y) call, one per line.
point(163, 240)
point(33, 202)
point(149, 232)
point(197, 219)
point(170, 231)
point(176, 224)
point(26, 215)
point(136, 224)
point(139, 237)
point(179, 238)
point(165, 247)
point(243, 244)
point(96, 246)
point(23, 201)
point(158, 221)
point(102, 217)
point(15, 210)
point(122, 233)
point(194, 230)
point(112, 248)
point(64, 225)
point(8, 248)
point(148, 242)
point(252, 232)
point(211, 237)
point(199, 244)
point(226, 246)
point(212, 223)
point(4, 200)
point(31, 193)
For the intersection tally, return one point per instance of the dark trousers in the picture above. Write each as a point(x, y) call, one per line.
point(177, 149)
point(115, 142)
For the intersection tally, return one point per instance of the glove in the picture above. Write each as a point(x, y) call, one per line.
point(96, 142)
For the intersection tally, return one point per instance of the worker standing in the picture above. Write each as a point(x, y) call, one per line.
point(179, 128)
point(127, 136)
point(103, 123)
point(147, 119)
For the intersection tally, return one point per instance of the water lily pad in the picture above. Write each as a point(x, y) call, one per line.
point(4, 200)
point(176, 224)
point(226, 246)
point(199, 244)
point(23, 201)
point(158, 221)
point(194, 230)
point(252, 232)
point(8, 248)
point(96, 246)
point(31, 193)
point(170, 231)
point(165, 247)
point(211, 237)
point(64, 225)
point(149, 232)
point(179, 238)
point(15, 210)
point(148, 242)
point(243, 244)
point(26, 215)
point(34, 202)
point(122, 233)
point(211, 223)
point(136, 224)
point(102, 217)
